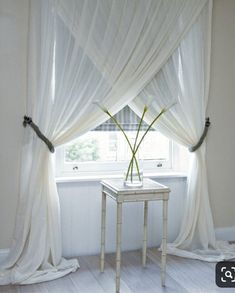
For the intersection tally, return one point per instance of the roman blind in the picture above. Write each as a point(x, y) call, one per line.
point(127, 119)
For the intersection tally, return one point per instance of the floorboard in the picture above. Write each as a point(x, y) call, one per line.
point(84, 281)
point(144, 279)
point(194, 275)
point(183, 276)
point(106, 279)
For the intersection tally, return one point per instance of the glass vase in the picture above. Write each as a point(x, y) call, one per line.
point(133, 175)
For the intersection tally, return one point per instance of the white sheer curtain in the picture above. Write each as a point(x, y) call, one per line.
point(80, 51)
point(185, 79)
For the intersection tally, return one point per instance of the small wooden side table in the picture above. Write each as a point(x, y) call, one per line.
point(151, 190)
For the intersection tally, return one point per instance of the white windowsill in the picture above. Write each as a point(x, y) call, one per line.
point(83, 178)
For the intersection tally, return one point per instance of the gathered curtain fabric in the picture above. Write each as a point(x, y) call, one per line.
point(184, 82)
point(80, 52)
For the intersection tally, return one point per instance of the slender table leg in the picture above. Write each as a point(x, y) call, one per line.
point(103, 217)
point(145, 233)
point(118, 245)
point(164, 241)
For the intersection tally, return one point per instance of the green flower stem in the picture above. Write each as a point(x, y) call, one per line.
point(147, 130)
point(131, 166)
point(136, 138)
point(154, 120)
point(127, 139)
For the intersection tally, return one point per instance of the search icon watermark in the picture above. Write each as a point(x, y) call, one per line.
point(225, 274)
point(228, 274)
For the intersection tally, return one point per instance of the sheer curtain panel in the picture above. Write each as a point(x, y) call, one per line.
point(79, 52)
point(184, 79)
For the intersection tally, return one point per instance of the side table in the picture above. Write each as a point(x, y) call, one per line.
point(151, 190)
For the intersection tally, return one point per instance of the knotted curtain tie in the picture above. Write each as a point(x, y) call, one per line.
point(28, 121)
point(197, 146)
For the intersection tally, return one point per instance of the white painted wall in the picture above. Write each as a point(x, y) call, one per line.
point(221, 142)
point(81, 218)
point(13, 64)
point(221, 109)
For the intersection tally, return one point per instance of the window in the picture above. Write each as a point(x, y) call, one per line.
point(105, 150)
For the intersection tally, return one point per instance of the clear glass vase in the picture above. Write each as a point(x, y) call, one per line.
point(133, 175)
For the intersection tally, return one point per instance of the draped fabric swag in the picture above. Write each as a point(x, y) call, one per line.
point(184, 80)
point(80, 52)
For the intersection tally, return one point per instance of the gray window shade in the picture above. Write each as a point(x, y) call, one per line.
point(128, 120)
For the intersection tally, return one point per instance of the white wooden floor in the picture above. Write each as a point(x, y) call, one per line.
point(183, 276)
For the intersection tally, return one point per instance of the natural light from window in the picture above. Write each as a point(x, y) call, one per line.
point(106, 146)
point(107, 153)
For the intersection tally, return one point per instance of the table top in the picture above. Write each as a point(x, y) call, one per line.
point(149, 186)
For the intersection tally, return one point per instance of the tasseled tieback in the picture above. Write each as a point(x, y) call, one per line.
point(197, 146)
point(29, 121)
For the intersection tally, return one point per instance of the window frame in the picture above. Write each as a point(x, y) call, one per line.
point(86, 169)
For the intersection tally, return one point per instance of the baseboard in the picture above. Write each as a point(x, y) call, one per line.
point(3, 254)
point(226, 233)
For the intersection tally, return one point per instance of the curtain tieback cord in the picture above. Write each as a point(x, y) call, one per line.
point(28, 121)
point(197, 146)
